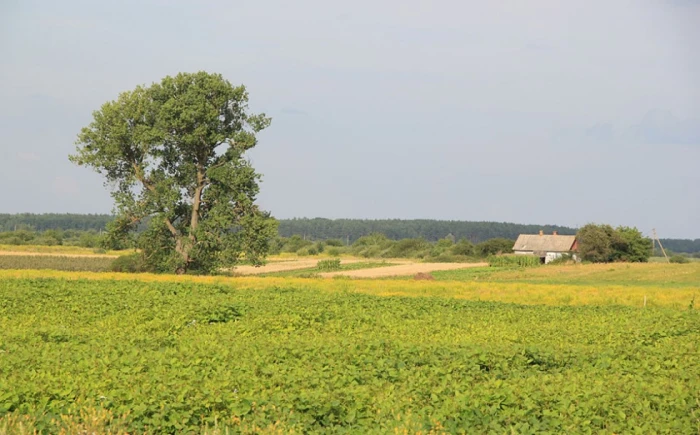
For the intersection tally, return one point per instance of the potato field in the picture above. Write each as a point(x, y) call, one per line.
point(268, 355)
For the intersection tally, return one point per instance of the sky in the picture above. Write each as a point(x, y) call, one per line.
point(543, 112)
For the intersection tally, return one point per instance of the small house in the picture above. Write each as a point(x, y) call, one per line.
point(546, 246)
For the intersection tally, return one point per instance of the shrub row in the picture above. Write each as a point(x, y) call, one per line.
point(513, 261)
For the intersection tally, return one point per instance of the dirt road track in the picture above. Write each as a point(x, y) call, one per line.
point(283, 266)
point(401, 270)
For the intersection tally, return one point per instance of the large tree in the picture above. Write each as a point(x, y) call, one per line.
point(173, 156)
point(603, 244)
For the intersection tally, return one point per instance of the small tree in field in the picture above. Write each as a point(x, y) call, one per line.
point(603, 244)
point(173, 154)
point(594, 243)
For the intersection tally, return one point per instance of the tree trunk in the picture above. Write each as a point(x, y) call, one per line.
point(197, 202)
point(183, 250)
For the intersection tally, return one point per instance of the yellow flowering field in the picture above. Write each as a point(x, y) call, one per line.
point(664, 285)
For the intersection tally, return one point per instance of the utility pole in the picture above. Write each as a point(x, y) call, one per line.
point(656, 238)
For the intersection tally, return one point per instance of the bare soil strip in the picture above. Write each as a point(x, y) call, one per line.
point(401, 270)
point(55, 254)
point(284, 266)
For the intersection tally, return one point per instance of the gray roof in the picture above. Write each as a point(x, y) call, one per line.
point(544, 243)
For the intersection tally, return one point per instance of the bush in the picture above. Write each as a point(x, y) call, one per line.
point(333, 252)
point(463, 247)
point(605, 244)
point(328, 265)
point(45, 241)
point(407, 248)
point(370, 252)
point(294, 244)
point(495, 246)
point(513, 261)
point(679, 259)
point(133, 263)
point(319, 247)
point(334, 242)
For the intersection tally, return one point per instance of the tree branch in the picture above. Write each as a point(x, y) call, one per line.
point(138, 173)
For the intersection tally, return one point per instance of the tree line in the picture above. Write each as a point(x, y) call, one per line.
point(347, 231)
point(351, 230)
point(54, 221)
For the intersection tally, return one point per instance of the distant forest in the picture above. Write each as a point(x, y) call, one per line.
point(53, 221)
point(395, 229)
point(347, 230)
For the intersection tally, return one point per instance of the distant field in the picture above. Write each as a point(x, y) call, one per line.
point(621, 274)
point(57, 262)
point(674, 286)
point(58, 249)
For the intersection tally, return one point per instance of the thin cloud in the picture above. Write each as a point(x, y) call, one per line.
point(663, 127)
point(65, 186)
point(28, 156)
point(293, 111)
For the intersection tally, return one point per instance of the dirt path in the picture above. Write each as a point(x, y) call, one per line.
point(284, 266)
point(55, 254)
point(401, 270)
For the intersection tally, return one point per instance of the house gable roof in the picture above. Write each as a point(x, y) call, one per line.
point(545, 242)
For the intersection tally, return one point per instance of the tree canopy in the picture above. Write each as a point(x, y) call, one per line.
point(173, 154)
point(604, 244)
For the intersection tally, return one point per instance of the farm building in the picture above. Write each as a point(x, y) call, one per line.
point(546, 246)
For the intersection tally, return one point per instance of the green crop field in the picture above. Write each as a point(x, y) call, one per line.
point(278, 356)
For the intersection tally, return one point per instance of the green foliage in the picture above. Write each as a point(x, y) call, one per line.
point(338, 229)
point(410, 248)
point(87, 239)
point(328, 265)
point(604, 244)
point(680, 259)
point(494, 247)
point(334, 252)
point(56, 262)
point(396, 229)
point(178, 357)
point(54, 221)
point(174, 154)
point(132, 263)
point(595, 244)
point(635, 247)
point(513, 261)
point(374, 245)
point(294, 244)
point(463, 247)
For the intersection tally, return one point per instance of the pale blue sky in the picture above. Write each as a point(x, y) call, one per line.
point(530, 112)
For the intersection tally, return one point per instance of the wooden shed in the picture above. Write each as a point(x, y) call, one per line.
point(546, 246)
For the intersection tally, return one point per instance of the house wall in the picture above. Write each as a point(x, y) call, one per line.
point(551, 256)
